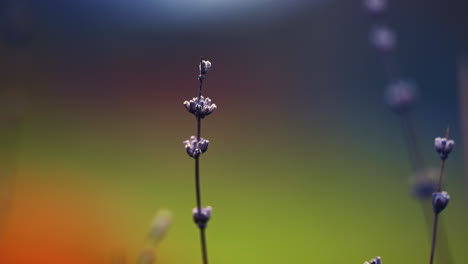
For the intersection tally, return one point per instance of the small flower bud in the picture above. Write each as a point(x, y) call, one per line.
point(439, 201)
point(159, 226)
point(147, 256)
point(375, 6)
point(201, 218)
point(383, 38)
point(443, 146)
point(204, 68)
point(194, 147)
point(424, 183)
point(376, 260)
point(200, 107)
point(401, 95)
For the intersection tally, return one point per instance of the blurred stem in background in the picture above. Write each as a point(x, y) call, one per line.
point(401, 97)
point(463, 95)
point(440, 199)
point(10, 168)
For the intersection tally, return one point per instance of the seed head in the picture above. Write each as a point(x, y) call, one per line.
point(439, 201)
point(201, 218)
point(376, 260)
point(194, 147)
point(160, 225)
point(443, 146)
point(200, 107)
point(204, 68)
point(375, 6)
point(424, 183)
point(401, 95)
point(147, 256)
point(383, 38)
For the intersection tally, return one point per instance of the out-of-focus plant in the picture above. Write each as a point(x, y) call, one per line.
point(440, 199)
point(157, 231)
point(400, 96)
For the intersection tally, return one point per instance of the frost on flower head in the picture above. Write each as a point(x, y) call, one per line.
point(375, 6)
point(201, 218)
point(443, 146)
point(204, 67)
point(401, 95)
point(376, 260)
point(200, 107)
point(383, 38)
point(194, 147)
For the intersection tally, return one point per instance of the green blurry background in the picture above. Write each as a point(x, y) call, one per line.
point(306, 162)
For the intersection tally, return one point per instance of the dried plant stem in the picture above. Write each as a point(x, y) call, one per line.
point(434, 237)
point(417, 162)
point(463, 103)
point(412, 142)
point(436, 215)
point(197, 185)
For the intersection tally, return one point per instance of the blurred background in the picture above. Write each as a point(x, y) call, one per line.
point(306, 163)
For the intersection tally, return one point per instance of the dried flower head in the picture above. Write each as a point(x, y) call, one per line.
point(376, 260)
point(194, 147)
point(160, 225)
point(424, 183)
point(439, 201)
point(201, 218)
point(401, 95)
point(204, 68)
point(147, 256)
point(200, 107)
point(443, 146)
point(383, 38)
point(375, 6)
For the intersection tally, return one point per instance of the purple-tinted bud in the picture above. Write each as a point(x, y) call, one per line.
point(424, 183)
point(159, 226)
point(375, 6)
point(194, 147)
point(443, 146)
point(147, 256)
point(204, 68)
point(201, 218)
point(200, 107)
point(401, 95)
point(439, 201)
point(376, 260)
point(383, 38)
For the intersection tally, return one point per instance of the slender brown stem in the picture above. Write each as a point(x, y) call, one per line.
point(203, 243)
point(197, 182)
point(441, 174)
point(436, 215)
point(434, 237)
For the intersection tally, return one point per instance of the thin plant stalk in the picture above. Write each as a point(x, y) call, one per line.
point(195, 147)
point(436, 215)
